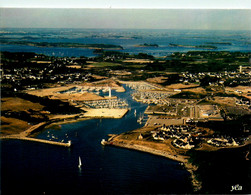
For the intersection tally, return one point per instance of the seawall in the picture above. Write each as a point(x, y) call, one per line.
point(38, 140)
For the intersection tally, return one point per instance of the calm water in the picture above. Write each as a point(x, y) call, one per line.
point(35, 168)
point(240, 40)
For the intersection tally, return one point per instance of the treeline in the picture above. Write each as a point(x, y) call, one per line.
point(120, 55)
point(188, 95)
point(176, 65)
point(20, 56)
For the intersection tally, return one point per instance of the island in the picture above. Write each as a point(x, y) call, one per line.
point(147, 45)
point(219, 43)
point(196, 46)
point(62, 44)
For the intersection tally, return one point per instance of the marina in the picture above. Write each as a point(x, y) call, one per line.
point(117, 103)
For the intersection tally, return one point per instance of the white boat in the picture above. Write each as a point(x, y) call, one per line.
point(79, 162)
point(103, 142)
point(135, 112)
point(140, 119)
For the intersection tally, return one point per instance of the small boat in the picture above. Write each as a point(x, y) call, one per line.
point(103, 142)
point(140, 119)
point(247, 156)
point(79, 162)
point(135, 112)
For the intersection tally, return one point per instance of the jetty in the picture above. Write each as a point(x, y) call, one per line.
point(24, 136)
point(68, 144)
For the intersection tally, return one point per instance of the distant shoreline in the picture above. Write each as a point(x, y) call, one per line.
point(62, 44)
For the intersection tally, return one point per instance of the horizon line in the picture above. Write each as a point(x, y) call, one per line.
point(127, 8)
point(122, 28)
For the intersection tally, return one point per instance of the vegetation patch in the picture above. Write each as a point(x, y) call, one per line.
point(188, 95)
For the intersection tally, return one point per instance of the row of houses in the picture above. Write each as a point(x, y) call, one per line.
point(181, 133)
point(217, 78)
point(188, 137)
point(221, 142)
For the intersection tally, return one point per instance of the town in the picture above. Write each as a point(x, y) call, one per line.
point(219, 93)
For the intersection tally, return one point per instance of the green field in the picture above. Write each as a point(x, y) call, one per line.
point(105, 64)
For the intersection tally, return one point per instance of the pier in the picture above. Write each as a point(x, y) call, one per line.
point(38, 140)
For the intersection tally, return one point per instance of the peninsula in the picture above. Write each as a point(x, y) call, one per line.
point(147, 45)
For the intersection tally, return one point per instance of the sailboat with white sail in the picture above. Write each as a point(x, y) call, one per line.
point(79, 162)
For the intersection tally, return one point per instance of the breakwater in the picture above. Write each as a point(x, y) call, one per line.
point(68, 144)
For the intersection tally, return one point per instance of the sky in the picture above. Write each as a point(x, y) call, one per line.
point(160, 4)
point(139, 14)
point(206, 19)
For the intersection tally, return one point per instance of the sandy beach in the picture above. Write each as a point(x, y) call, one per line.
point(105, 113)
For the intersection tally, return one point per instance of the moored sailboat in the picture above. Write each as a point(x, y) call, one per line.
point(103, 142)
point(79, 162)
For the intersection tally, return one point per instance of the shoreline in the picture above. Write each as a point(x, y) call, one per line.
point(178, 158)
point(183, 160)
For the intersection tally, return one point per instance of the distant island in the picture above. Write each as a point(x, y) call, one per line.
point(206, 46)
point(147, 45)
point(219, 43)
point(192, 46)
point(62, 44)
